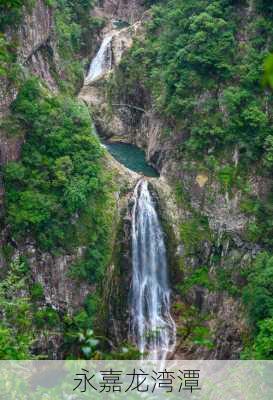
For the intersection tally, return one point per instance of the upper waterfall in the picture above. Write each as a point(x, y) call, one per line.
point(102, 61)
point(152, 326)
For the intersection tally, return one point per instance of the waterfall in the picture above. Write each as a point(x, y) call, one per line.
point(152, 326)
point(102, 61)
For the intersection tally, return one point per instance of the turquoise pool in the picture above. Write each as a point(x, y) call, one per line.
point(132, 157)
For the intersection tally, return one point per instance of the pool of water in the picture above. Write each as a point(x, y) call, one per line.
point(132, 157)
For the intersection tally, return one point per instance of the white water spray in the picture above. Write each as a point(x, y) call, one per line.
point(102, 61)
point(152, 326)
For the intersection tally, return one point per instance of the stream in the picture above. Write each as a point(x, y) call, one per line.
point(152, 328)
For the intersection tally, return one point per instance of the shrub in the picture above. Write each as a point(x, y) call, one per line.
point(193, 232)
point(258, 294)
point(204, 82)
point(46, 318)
point(58, 193)
point(199, 277)
point(258, 299)
point(60, 167)
point(263, 345)
point(16, 325)
point(11, 12)
point(37, 292)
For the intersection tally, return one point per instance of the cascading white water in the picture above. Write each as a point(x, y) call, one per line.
point(152, 326)
point(102, 61)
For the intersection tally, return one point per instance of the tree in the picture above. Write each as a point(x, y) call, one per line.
point(263, 344)
point(16, 328)
point(258, 294)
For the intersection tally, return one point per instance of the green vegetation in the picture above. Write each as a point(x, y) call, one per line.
point(8, 66)
point(199, 277)
point(24, 319)
point(226, 176)
point(262, 349)
point(58, 194)
point(208, 67)
point(37, 292)
point(268, 72)
point(54, 129)
point(16, 326)
point(59, 176)
point(82, 340)
point(46, 317)
point(75, 29)
point(206, 84)
point(192, 328)
point(259, 229)
point(258, 294)
point(11, 11)
point(83, 27)
point(227, 278)
point(258, 299)
point(193, 231)
point(203, 80)
point(201, 336)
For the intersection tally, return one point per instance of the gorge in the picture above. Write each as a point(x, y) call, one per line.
point(151, 326)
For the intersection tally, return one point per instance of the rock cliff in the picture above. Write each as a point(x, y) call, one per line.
point(204, 219)
point(37, 54)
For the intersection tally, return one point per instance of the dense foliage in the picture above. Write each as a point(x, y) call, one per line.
point(16, 327)
point(59, 174)
point(11, 11)
point(202, 61)
point(258, 297)
point(75, 29)
point(58, 194)
point(204, 73)
point(208, 67)
point(82, 26)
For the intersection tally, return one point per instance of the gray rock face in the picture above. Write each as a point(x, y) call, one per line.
point(133, 120)
point(36, 52)
point(8, 93)
point(10, 149)
point(139, 125)
point(34, 37)
point(52, 272)
point(34, 30)
point(39, 64)
point(127, 10)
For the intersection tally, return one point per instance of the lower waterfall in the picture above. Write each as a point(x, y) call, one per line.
point(152, 327)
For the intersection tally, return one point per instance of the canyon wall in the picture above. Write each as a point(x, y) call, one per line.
point(205, 223)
